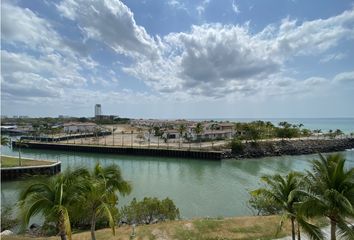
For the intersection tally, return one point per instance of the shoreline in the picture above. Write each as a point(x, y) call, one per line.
point(290, 147)
point(257, 149)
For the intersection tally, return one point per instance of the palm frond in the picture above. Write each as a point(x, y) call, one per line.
point(311, 230)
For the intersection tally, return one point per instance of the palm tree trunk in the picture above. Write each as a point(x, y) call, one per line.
point(298, 231)
point(61, 226)
point(93, 226)
point(333, 229)
point(293, 228)
point(19, 157)
point(62, 236)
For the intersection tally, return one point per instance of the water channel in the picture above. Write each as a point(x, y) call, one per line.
point(198, 188)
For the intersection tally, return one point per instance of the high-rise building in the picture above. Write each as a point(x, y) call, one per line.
point(98, 110)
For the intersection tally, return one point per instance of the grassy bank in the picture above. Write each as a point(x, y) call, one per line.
point(257, 227)
point(7, 161)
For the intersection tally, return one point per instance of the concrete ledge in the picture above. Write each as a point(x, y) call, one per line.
point(207, 155)
point(13, 173)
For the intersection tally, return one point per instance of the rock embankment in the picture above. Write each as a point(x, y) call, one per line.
point(291, 147)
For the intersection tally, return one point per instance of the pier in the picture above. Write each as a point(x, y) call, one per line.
point(154, 152)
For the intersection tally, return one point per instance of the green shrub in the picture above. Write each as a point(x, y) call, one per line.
point(237, 146)
point(149, 210)
point(7, 219)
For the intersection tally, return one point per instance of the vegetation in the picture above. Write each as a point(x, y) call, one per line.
point(329, 192)
point(257, 130)
point(7, 161)
point(100, 194)
point(81, 199)
point(8, 221)
point(20, 144)
point(260, 227)
point(52, 197)
point(199, 130)
point(281, 191)
point(236, 146)
point(325, 191)
point(149, 210)
point(5, 141)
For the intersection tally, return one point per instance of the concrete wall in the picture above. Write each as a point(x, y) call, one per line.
point(209, 155)
point(22, 172)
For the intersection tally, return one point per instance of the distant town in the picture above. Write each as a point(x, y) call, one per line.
point(113, 130)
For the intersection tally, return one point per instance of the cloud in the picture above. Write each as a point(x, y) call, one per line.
point(235, 8)
point(333, 57)
point(22, 26)
point(215, 60)
point(201, 7)
point(112, 23)
point(344, 77)
point(208, 61)
point(177, 4)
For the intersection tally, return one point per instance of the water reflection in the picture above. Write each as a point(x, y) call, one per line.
point(199, 188)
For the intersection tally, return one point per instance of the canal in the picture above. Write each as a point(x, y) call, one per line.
point(199, 188)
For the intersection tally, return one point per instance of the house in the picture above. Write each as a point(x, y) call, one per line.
point(74, 127)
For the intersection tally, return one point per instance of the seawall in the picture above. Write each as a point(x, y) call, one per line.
point(155, 152)
point(291, 147)
point(13, 173)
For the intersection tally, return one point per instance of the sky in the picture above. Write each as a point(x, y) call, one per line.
point(178, 58)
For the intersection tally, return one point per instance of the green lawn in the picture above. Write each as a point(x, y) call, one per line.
point(13, 162)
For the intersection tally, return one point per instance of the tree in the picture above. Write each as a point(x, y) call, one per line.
point(213, 127)
point(199, 130)
point(338, 132)
point(281, 191)
point(20, 144)
point(113, 130)
point(5, 141)
point(181, 129)
point(330, 193)
point(100, 197)
point(149, 210)
point(150, 131)
point(52, 197)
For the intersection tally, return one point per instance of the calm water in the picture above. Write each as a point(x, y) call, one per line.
point(199, 188)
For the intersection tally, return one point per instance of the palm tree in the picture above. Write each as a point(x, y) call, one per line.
point(213, 127)
point(52, 197)
point(338, 132)
point(20, 144)
point(150, 131)
point(282, 191)
point(113, 130)
point(101, 198)
point(5, 141)
point(122, 138)
point(330, 193)
point(199, 130)
point(181, 129)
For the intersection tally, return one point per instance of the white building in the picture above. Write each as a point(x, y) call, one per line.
point(98, 110)
point(79, 127)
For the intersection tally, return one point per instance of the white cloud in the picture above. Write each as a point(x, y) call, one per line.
point(214, 60)
point(333, 57)
point(201, 7)
point(177, 4)
point(111, 22)
point(209, 61)
point(235, 8)
point(344, 77)
point(22, 26)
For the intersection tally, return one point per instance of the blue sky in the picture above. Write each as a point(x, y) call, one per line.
point(178, 58)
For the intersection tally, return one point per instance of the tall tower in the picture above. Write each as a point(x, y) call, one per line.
point(98, 111)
